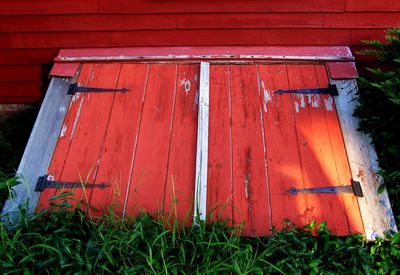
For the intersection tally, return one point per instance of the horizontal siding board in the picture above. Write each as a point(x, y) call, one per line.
point(362, 20)
point(27, 73)
point(193, 6)
point(122, 22)
point(372, 5)
point(27, 56)
point(20, 89)
point(104, 22)
point(357, 36)
point(231, 37)
point(54, 40)
point(88, 22)
point(176, 38)
point(27, 7)
point(18, 7)
point(249, 20)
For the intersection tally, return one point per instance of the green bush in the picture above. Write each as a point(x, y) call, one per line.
point(379, 109)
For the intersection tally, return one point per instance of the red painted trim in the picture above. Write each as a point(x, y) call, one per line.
point(210, 53)
point(342, 70)
point(64, 69)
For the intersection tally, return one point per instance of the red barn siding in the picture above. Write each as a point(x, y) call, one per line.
point(32, 32)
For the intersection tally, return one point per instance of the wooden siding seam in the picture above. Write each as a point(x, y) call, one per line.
point(103, 140)
point(136, 143)
point(171, 127)
point(315, 20)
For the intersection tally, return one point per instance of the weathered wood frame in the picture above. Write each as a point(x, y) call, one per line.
point(39, 150)
point(376, 211)
point(375, 208)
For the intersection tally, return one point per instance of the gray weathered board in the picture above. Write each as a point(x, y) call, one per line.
point(200, 197)
point(39, 150)
point(375, 208)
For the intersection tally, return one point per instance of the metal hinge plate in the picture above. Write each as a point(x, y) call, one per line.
point(74, 88)
point(332, 90)
point(354, 188)
point(46, 182)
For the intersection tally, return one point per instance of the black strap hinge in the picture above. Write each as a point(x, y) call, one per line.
point(354, 188)
point(44, 182)
point(332, 90)
point(74, 88)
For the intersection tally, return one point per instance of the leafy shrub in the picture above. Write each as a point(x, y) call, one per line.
point(379, 109)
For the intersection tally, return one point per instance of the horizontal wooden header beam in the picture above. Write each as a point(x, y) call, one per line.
point(294, 53)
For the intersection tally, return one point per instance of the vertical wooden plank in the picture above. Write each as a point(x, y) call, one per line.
point(318, 169)
point(250, 194)
point(200, 196)
point(219, 177)
point(180, 181)
point(65, 137)
point(40, 147)
point(336, 161)
point(283, 160)
point(88, 133)
point(375, 208)
point(309, 124)
point(119, 145)
point(147, 186)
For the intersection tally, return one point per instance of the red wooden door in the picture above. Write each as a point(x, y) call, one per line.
point(263, 144)
point(142, 142)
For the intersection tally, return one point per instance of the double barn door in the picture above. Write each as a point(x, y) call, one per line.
point(261, 144)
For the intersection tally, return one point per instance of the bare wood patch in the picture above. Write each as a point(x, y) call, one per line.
point(375, 208)
point(40, 147)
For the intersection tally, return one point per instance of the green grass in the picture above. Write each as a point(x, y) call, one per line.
point(66, 241)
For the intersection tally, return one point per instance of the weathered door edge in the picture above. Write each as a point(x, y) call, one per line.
point(206, 53)
point(375, 208)
point(39, 150)
point(200, 197)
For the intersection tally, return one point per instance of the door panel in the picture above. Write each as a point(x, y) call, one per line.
point(250, 193)
point(142, 142)
point(296, 136)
